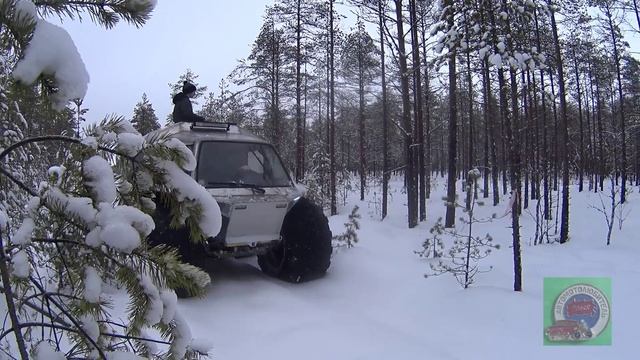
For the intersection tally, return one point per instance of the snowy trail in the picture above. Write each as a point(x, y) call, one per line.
point(375, 303)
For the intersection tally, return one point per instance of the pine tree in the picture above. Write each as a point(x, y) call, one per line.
point(144, 117)
point(359, 64)
point(58, 212)
point(65, 243)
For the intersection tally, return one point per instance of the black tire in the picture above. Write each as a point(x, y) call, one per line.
point(304, 253)
point(177, 238)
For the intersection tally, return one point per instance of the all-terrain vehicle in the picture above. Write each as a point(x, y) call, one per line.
point(264, 213)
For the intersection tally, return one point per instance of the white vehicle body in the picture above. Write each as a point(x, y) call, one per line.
point(247, 178)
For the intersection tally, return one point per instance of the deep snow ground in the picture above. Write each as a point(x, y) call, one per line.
point(375, 303)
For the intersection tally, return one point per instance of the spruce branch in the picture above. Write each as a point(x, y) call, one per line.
point(106, 13)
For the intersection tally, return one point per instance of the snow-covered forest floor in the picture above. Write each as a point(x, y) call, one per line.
point(375, 303)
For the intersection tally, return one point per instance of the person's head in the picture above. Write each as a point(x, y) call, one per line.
point(189, 89)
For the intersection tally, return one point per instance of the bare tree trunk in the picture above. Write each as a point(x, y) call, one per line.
point(385, 115)
point(616, 59)
point(635, 10)
point(450, 216)
point(564, 222)
point(361, 134)
point(299, 124)
point(332, 121)
point(471, 159)
point(581, 170)
point(412, 188)
point(545, 160)
point(418, 114)
point(427, 113)
point(485, 118)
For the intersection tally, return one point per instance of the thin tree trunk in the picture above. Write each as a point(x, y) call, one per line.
point(299, 124)
point(427, 114)
point(361, 133)
point(564, 223)
point(616, 59)
point(450, 216)
point(412, 189)
point(332, 121)
point(581, 170)
point(418, 114)
point(545, 160)
point(385, 115)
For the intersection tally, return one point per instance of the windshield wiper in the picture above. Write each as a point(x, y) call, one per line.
point(256, 188)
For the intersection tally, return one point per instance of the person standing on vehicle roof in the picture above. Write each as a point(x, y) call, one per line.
point(182, 110)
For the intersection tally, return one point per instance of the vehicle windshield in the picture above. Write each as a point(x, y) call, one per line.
point(238, 164)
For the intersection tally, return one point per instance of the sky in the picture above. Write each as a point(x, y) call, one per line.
point(207, 36)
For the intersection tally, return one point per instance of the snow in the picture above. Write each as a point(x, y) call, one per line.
point(152, 346)
point(23, 235)
point(51, 51)
point(183, 337)
point(187, 155)
point(120, 227)
point(21, 267)
point(81, 207)
point(90, 141)
point(26, 8)
point(92, 285)
point(155, 304)
point(187, 189)
point(169, 305)
point(201, 345)
point(4, 221)
point(495, 60)
point(374, 303)
point(99, 177)
point(90, 326)
point(130, 143)
point(44, 351)
point(56, 172)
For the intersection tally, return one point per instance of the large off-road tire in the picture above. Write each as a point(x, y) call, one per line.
point(179, 238)
point(305, 250)
point(188, 251)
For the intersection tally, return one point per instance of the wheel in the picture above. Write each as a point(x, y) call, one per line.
point(576, 335)
point(177, 238)
point(304, 253)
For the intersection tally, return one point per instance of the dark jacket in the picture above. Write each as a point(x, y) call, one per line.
point(182, 110)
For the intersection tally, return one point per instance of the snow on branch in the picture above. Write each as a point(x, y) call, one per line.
point(52, 52)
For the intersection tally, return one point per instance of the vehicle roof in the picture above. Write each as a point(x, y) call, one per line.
point(190, 133)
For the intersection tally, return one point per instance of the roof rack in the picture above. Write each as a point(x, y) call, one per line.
point(212, 126)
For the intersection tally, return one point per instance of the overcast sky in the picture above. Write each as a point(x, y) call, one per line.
point(208, 36)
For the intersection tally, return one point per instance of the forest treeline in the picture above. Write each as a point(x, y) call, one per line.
point(535, 94)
